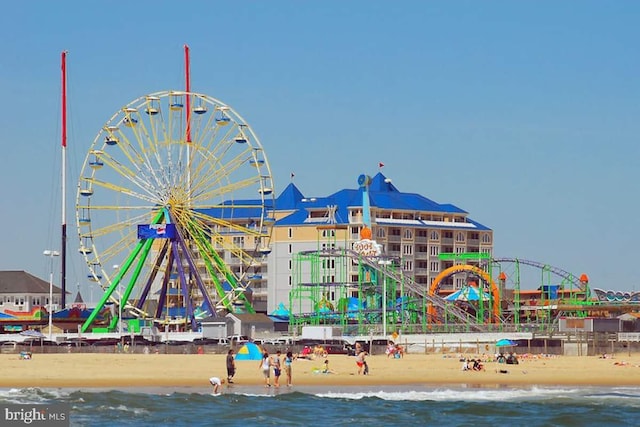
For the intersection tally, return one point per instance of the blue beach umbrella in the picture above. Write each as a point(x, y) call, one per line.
point(249, 351)
point(506, 343)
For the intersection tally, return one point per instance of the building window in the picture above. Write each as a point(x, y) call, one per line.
point(289, 265)
point(329, 263)
point(407, 250)
point(434, 235)
point(408, 266)
point(238, 242)
point(290, 281)
point(290, 232)
point(408, 234)
point(380, 233)
point(486, 238)
point(434, 250)
point(290, 248)
point(434, 266)
point(460, 237)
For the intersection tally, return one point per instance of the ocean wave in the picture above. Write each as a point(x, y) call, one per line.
point(532, 394)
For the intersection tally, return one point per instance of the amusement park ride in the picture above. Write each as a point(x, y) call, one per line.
point(175, 193)
point(175, 209)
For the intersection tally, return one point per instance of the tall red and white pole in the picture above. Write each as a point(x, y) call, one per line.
point(187, 88)
point(187, 78)
point(63, 252)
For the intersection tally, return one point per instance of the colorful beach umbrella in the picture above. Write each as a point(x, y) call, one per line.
point(249, 351)
point(506, 343)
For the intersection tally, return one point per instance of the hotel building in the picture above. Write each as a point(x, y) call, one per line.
point(408, 226)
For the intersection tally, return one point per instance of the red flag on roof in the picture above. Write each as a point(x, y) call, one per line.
point(380, 164)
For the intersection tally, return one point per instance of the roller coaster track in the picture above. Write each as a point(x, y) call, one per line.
point(409, 284)
point(555, 270)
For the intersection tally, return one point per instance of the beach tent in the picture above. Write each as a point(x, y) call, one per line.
point(468, 293)
point(249, 351)
point(281, 311)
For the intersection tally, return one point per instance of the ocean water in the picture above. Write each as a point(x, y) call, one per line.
point(345, 406)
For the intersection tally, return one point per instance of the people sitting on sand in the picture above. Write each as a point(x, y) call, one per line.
point(306, 353)
point(465, 365)
point(326, 369)
point(319, 350)
point(477, 366)
point(512, 359)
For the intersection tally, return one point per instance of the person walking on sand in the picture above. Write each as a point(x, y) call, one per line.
point(277, 369)
point(231, 367)
point(265, 365)
point(288, 361)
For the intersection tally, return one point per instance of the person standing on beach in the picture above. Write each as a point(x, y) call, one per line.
point(360, 361)
point(265, 365)
point(277, 371)
point(288, 361)
point(231, 367)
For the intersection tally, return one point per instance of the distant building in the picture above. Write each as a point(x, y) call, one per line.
point(22, 292)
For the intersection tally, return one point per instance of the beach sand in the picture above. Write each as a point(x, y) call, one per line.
point(89, 370)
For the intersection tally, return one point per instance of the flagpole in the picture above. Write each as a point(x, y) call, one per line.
point(63, 258)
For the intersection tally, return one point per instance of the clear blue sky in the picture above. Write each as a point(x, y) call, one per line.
point(524, 113)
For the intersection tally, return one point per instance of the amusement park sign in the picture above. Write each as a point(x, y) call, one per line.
point(367, 247)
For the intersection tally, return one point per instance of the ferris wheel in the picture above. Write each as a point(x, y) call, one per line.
point(174, 205)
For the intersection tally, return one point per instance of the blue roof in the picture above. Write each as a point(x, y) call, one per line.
point(289, 198)
point(382, 195)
